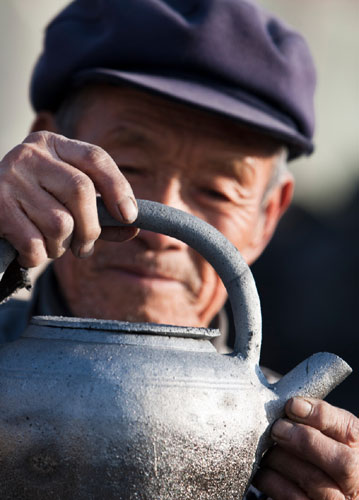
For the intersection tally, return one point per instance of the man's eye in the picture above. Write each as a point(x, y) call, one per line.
point(130, 169)
point(214, 194)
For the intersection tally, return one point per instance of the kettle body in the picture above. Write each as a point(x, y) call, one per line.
point(123, 412)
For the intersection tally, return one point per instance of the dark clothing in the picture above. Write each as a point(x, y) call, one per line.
point(47, 300)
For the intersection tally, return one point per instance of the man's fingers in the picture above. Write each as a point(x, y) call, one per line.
point(79, 197)
point(337, 460)
point(27, 240)
point(277, 487)
point(48, 185)
point(327, 437)
point(103, 171)
point(56, 227)
point(72, 188)
point(75, 194)
point(78, 171)
point(315, 483)
point(333, 422)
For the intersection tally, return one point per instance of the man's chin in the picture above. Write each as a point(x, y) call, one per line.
point(141, 307)
point(144, 284)
point(152, 315)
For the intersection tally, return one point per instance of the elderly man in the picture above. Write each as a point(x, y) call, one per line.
point(196, 104)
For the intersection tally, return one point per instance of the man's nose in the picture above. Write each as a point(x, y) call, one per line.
point(167, 193)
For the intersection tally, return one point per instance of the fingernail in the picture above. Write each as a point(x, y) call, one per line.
point(127, 234)
point(128, 209)
point(86, 250)
point(282, 429)
point(132, 236)
point(300, 408)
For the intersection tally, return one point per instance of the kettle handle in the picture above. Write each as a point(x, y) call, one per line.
point(220, 253)
point(214, 247)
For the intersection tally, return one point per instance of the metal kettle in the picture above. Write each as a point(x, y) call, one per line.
point(93, 409)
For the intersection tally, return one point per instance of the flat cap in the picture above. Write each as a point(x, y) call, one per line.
point(230, 57)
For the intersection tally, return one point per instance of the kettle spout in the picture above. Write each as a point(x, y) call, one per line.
point(315, 378)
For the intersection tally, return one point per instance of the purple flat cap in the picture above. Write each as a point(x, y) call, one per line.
point(230, 57)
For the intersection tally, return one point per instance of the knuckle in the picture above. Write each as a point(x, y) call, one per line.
point(321, 411)
point(91, 234)
point(18, 154)
point(81, 186)
point(58, 249)
point(61, 225)
point(87, 232)
point(95, 155)
point(40, 136)
point(94, 233)
point(352, 431)
point(21, 155)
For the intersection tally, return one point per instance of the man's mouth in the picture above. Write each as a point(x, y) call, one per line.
point(148, 270)
point(145, 277)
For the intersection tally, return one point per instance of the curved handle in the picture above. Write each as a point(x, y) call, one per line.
point(215, 248)
point(220, 253)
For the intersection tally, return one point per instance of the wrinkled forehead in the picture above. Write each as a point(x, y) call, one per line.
point(138, 115)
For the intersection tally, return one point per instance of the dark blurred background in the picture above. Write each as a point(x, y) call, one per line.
point(308, 277)
point(307, 280)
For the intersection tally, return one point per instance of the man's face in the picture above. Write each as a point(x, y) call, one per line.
point(185, 158)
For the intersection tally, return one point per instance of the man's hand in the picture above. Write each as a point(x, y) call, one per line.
point(48, 187)
point(316, 455)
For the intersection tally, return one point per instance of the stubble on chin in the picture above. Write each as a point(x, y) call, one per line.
point(92, 301)
point(102, 296)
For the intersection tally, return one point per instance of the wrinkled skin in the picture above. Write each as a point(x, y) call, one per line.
point(188, 162)
point(316, 455)
point(130, 143)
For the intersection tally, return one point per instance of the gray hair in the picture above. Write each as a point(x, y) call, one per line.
point(69, 113)
point(279, 173)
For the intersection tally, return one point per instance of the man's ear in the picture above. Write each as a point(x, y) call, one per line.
point(275, 206)
point(44, 120)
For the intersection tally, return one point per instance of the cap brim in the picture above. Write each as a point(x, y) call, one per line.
point(216, 100)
